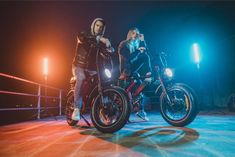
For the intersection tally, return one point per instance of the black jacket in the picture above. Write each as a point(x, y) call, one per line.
point(87, 47)
point(130, 62)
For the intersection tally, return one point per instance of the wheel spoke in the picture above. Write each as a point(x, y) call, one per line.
point(179, 106)
point(111, 112)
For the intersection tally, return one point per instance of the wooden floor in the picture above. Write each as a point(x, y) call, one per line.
point(211, 134)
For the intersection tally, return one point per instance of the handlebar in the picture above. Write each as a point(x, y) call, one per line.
point(162, 57)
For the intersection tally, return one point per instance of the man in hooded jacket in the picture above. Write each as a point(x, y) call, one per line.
point(84, 60)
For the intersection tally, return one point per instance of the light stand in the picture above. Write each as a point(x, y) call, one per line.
point(197, 59)
point(45, 73)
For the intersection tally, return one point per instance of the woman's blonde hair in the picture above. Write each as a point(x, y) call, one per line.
point(132, 44)
point(128, 37)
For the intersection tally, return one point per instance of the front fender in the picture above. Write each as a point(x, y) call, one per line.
point(190, 89)
point(124, 92)
point(94, 93)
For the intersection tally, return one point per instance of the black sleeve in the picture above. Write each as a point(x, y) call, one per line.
point(124, 58)
point(81, 37)
point(143, 44)
point(149, 67)
point(124, 51)
point(86, 38)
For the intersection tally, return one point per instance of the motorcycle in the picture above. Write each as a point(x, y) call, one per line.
point(178, 101)
point(107, 103)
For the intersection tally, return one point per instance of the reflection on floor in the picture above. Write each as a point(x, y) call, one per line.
point(211, 134)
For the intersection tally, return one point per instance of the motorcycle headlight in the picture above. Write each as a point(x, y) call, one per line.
point(108, 73)
point(168, 72)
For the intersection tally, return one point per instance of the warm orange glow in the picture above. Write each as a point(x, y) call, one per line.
point(45, 66)
point(59, 61)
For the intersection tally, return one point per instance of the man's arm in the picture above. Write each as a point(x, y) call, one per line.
point(107, 43)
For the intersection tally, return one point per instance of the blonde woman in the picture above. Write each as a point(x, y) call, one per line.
point(133, 56)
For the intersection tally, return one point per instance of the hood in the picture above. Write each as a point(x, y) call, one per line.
point(93, 26)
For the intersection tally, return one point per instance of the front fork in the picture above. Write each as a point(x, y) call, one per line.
point(164, 90)
point(100, 91)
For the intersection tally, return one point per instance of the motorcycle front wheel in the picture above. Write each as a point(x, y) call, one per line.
point(69, 109)
point(177, 107)
point(111, 114)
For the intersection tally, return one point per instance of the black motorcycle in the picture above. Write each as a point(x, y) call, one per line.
point(178, 101)
point(109, 109)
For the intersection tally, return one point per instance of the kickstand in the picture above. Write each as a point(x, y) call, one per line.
point(141, 117)
point(85, 120)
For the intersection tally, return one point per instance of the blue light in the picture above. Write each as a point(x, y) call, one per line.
point(196, 53)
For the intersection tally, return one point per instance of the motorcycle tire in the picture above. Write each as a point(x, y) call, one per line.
point(193, 94)
point(97, 111)
point(187, 98)
point(69, 109)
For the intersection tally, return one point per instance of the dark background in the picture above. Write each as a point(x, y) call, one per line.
point(32, 30)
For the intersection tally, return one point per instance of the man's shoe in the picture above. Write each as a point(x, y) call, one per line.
point(76, 114)
point(142, 115)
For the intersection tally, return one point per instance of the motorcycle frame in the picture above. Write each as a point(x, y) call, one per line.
point(161, 87)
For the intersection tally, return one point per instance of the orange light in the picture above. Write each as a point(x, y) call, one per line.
point(45, 66)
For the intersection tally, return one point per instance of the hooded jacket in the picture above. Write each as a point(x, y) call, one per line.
point(87, 47)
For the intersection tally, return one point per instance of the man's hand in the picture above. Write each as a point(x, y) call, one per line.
point(78, 40)
point(105, 41)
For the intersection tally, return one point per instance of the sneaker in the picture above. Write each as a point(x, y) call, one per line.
point(149, 79)
point(142, 115)
point(76, 114)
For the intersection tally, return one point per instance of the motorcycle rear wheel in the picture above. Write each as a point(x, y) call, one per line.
point(69, 110)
